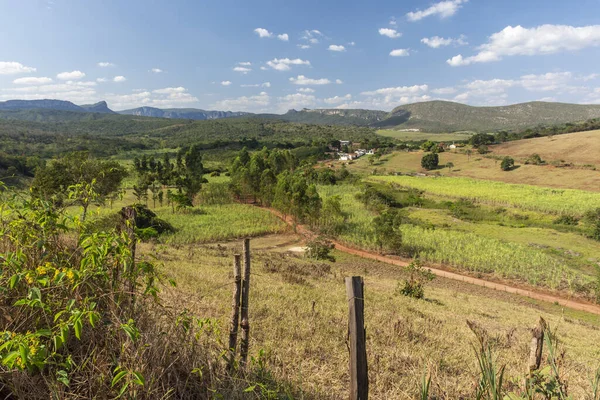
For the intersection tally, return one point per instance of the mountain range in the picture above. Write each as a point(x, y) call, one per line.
point(430, 116)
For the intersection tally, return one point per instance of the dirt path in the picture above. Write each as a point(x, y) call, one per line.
point(573, 304)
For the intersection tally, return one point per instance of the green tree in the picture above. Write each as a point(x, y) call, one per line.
point(386, 228)
point(430, 161)
point(428, 146)
point(507, 164)
point(53, 180)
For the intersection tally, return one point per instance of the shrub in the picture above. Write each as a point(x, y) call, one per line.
point(534, 159)
point(430, 161)
point(507, 164)
point(483, 149)
point(415, 286)
point(566, 220)
point(319, 249)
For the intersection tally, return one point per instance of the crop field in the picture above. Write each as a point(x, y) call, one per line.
point(418, 136)
point(463, 250)
point(556, 201)
point(578, 148)
point(298, 317)
point(219, 222)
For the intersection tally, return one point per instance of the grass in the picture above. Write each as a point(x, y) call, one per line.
point(298, 318)
point(486, 167)
point(463, 250)
point(221, 222)
point(418, 136)
point(578, 148)
point(528, 197)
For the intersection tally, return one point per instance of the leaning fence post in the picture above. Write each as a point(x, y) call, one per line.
point(536, 346)
point(359, 380)
point(235, 307)
point(245, 324)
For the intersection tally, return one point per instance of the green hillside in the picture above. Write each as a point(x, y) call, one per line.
point(331, 116)
point(445, 116)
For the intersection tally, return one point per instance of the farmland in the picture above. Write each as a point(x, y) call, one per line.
point(417, 136)
point(502, 194)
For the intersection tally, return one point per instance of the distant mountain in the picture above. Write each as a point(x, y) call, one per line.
point(446, 116)
point(181, 113)
point(100, 107)
point(36, 104)
point(331, 116)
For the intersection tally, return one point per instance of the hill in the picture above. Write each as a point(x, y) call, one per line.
point(331, 116)
point(59, 105)
point(576, 148)
point(181, 113)
point(445, 116)
point(100, 107)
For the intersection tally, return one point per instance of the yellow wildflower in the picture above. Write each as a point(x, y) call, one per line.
point(70, 275)
point(29, 279)
point(32, 350)
point(41, 270)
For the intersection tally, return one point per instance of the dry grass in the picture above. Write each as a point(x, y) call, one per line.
point(577, 148)
point(479, 167)
point(298, 317)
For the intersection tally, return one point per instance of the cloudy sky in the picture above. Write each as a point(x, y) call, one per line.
point(268, 56)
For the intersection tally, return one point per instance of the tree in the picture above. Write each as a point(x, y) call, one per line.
point(468, 152)
point(481, 139)
point(386, 228)
point(482, 149)
point(449, 165)
point(430, 161)
point(53, 180)
point(428, 146)
point(507, 164)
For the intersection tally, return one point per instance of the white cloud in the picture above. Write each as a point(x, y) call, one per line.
point(399, 53)
point(170, 90)
point(437, 41)
point(284, 37)
point(443, 9)
point(338, 99)
point(263, 33)
point(351, 44)
point(265, 84)
point(263, 68)
point(245, 63)
point(391, 33)
point(105, 64)
point(339, 81)
point(336, 47)
point(101, 80)
point(306, 90)
point(73, 75)
point(295, 101)
point(544, 39)
point(12, 67)
point(226, 83)
point(313, 40)
point(311, 36)
point(156, 70)
point(243, 70)
point(398, 91)
point(284, 64)
point(444, 90)
point(78, 92)
point(257, 103)
point(304, 46)
point(32, 81)
point(393, 21)
point(303, 80)
point(119, 78)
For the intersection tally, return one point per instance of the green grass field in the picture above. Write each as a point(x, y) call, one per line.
point(528, 197)
point(464, 250)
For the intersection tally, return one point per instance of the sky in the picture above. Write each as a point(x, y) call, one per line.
point(272, 56)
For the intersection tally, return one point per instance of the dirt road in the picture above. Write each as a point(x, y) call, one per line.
point(573, 304)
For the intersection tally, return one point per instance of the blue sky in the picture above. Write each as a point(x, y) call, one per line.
point(270, 56)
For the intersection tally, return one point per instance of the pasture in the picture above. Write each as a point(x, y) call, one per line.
point(419, 136)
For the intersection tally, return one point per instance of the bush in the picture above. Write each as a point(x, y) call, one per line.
point(507, 164)
point(430, 161)
point(566, 220)
point(319, 249)
point(415, 286)
point(483, 149)
point(535, 159)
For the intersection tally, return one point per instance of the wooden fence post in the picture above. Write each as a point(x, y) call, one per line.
point(536, 346)
point(128, 225)
point(235, 308)
point(245, 324)
point(359, 379)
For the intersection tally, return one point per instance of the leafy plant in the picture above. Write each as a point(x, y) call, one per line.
point(414, 286)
